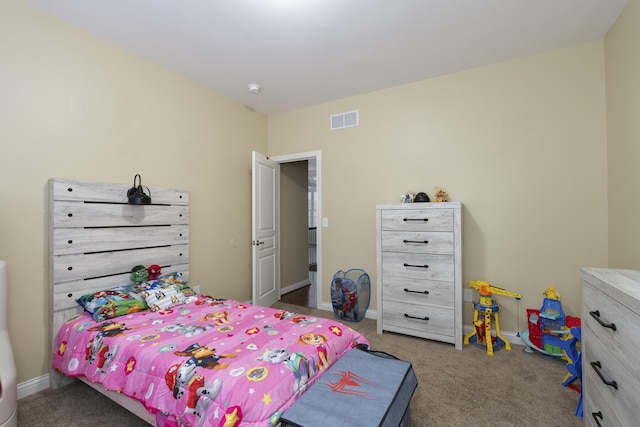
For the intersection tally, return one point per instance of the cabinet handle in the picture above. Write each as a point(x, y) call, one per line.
point(416, 292)
point(413, 265)
point(597, 415)
point(426, 242)
point(596, 367)
point(596, 315)
point(414, 317)
point(415, 219)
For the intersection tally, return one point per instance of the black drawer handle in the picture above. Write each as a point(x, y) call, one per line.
point(413, 265)
point(414, 317)
point(597, 366)
point(426, 242)
point(415, 219)
point(416, 292)
point(597, 415)
point(596, 315)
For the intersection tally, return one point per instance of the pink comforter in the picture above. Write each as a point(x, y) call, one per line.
point(207, 363)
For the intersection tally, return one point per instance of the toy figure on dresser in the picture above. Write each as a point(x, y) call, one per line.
point(421, 198)
point(440, 196)
point(407, 197)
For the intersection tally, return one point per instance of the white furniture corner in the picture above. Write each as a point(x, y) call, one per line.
point(419, 270)
point(8, 373)
point(610, 346)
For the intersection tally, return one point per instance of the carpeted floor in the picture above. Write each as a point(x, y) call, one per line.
point(455, 388)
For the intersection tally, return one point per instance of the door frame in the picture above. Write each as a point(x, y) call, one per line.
point(310, 155)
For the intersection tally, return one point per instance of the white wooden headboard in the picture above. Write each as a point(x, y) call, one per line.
point(96, 238)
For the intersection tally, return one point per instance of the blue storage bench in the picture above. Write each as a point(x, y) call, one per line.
point(363, 388)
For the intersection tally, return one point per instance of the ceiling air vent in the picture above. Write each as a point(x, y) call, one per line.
point(345, 120)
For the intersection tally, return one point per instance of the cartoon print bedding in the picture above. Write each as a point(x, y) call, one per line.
point(207, 363)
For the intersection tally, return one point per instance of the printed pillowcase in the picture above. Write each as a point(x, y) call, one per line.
point(160, 298)
point(114, 302)
point(167, 291)
point(174, 278)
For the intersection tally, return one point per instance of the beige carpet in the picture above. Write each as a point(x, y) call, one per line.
point(455, 388)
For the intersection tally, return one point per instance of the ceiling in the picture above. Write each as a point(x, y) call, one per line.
point(306, 52)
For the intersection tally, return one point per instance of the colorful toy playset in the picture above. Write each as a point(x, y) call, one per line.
point(549, 332)
point(552, 333)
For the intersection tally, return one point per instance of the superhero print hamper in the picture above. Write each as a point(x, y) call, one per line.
point(350, 294)
point(363, 388)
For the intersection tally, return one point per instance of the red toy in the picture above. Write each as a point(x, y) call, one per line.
point(154, 271)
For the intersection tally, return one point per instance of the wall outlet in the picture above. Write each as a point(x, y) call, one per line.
point(468, 295)
point(196, 289)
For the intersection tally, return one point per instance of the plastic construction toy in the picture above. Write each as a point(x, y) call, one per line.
point(483, 312)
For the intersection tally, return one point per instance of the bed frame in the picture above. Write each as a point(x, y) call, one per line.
point(96, 238)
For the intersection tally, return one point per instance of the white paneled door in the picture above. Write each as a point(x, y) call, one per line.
point(265, 221)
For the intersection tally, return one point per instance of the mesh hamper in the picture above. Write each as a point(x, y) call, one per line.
point(350, 294)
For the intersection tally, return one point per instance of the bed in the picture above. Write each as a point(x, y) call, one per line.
point(186, 358)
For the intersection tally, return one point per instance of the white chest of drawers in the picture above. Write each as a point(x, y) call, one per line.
point(610, 346)
point(419, 270)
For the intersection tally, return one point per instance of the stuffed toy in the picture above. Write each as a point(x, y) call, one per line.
point(154, 271)
point(441, 196)
point(139, 274)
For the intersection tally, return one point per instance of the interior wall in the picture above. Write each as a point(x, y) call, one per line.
point(74, 106)
point(294, 241)
point(522, 144)
point(622, 47)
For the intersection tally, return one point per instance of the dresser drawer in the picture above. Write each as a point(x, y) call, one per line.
point(419, 292)
point(418, 266)
point(625, 336)
point(418, 219)
point(620, 402)
point(411, 318)
point(591, 412)
point(437, 242)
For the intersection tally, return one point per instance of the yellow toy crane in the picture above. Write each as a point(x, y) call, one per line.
point(483, 311)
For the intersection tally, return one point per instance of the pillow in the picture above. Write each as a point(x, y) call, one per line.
point(113, 302)
point(174, 278)
point(160, 298)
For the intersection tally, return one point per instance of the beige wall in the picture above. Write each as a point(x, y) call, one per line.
point(294, 223)
point(73, 106)
point(522, 144)
point(622, 47)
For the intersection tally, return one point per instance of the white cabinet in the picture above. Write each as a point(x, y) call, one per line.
point(419, 270)
point(610, 346)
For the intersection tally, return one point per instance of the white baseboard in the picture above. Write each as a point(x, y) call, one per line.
point(513, 337)
point(370, 314)
point(294, 287)
point(33, 386)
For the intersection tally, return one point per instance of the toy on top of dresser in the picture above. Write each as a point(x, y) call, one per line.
point(440, 196)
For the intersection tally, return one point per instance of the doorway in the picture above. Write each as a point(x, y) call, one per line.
point(300, 234)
